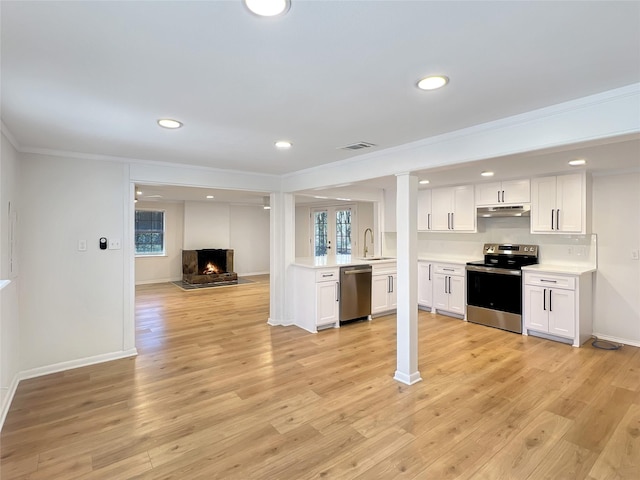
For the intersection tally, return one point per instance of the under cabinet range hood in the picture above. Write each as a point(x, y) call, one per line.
point(505, 211)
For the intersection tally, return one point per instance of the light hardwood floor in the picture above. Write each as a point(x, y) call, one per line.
point(217, 393)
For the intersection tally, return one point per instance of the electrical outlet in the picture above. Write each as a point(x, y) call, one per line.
point(114, 244)
point(82, 245)
point(635, 254)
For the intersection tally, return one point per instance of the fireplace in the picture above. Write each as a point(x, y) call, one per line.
point(209, 265)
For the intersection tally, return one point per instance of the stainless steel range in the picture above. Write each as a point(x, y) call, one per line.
point(494, 285)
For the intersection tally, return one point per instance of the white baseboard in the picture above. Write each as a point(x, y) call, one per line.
point(8, 399)
point(609, 338)
point(58, 367)
point(81, 362)
point(408, 379)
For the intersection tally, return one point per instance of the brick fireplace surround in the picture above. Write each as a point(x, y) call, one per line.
point(195, 262)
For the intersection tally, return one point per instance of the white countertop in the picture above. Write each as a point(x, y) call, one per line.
point(462, 260)
point(338, 261)
point(566, 269)
point(345, 260)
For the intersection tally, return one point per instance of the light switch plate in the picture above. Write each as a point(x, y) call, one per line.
point(114, 244)
point(82, 245)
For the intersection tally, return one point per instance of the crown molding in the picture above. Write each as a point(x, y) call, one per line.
point(9, 136)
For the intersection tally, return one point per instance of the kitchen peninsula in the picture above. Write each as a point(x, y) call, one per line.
point(316, 288)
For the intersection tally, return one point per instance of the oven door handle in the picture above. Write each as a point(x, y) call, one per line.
point(499, 271)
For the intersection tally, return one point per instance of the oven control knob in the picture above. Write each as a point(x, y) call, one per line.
point(526, 249)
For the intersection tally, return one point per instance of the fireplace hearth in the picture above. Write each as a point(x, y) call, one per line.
point(211, 265)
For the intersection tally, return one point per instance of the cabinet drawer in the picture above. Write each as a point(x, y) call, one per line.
point(327, 274)
point(384, 269)
point(545, 280)
point(449, 269)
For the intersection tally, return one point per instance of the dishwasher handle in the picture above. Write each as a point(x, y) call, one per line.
point(356, 272)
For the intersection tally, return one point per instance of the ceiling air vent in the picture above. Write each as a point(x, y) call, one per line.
point(357, 146)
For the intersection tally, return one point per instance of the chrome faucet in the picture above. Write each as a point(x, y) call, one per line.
point(365, 240)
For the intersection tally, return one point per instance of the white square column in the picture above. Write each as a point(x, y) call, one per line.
point(282, 254)
point(407, 258)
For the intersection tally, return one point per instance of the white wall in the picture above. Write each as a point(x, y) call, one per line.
point(249, 238)
point(168, 267)
point(206, 225)
point(9, 326)
point(616, 203)
point(616, 232)
point(245, 229)
point(303, 231)
point(364, 218)
point(72, 303)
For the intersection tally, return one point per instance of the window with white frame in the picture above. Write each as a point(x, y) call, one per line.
point(149, 232)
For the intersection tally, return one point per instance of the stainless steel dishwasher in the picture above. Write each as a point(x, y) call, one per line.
point(355, 292)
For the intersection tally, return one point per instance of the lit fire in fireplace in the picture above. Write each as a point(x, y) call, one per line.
point(210, 269)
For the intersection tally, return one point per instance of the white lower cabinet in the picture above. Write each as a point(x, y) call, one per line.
point(425, 284)
point(449, 288)
point(317, 297)
point(558, 306)
point(327, 303)
point(384, 297)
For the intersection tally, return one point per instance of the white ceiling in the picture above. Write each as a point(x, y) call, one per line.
point(93, 77)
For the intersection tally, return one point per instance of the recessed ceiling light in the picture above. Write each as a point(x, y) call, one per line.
point(268, 8)
point(169, 123)
point(423, 182)
point(344, 199)
point(283, 144)
point(487, 174)
point(321, 198)
point(210, 196)
point(433, 82)
point(576, 163)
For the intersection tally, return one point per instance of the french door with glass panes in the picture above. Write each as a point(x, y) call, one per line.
point(331, 231)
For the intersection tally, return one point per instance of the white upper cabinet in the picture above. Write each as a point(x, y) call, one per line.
point(503, 193)
point(425, 218)
point(559, 204)
point(453, 209)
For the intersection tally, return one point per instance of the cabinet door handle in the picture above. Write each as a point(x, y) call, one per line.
point(550, 309)
point(558, 219)
point(498, 196)
point(548, 281)
point(429, 272)
point(551, 219)
point(544, 299)
point(452, 225)
point(449, 285)
point(337, 291)
point(390, 284)
point(428, 221)
point(502, 196)
point(445, 284)
point(324, 275)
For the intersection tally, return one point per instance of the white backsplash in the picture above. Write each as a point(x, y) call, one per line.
point(555, 249)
